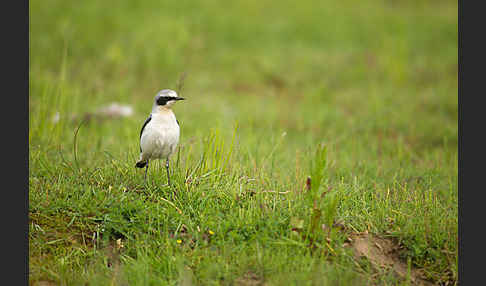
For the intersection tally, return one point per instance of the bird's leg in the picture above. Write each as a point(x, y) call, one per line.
point(146, 169)
point(167, 168)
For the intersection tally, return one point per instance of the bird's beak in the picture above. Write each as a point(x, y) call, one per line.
point(179, 98)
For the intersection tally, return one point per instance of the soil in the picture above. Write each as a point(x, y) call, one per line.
point(383, 253)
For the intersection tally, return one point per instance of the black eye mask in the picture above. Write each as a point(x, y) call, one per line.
point(164, 99)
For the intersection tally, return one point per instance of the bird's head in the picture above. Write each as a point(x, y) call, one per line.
point(166, 98)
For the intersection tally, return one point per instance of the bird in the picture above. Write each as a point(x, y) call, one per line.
point(160, 132)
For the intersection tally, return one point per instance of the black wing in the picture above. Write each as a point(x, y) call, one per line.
point(143, 127)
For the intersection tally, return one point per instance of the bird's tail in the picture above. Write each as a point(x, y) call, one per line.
point(141, 164)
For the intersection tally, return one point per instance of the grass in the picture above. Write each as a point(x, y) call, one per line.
point(360, 98)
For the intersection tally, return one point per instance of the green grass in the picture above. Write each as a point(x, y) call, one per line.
point(361, 97)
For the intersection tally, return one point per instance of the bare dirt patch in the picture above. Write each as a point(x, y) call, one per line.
point(384, 254)
point(249, 279)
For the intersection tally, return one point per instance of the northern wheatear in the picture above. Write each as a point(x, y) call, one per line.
point(160, 132)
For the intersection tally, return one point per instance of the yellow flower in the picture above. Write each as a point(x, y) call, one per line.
point(211, 232)
point(179, 241)
point(119, 244)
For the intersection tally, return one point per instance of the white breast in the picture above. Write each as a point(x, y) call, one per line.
point(160, 136)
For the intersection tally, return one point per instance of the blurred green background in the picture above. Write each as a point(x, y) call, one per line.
point(375, 81)
point(318, 70)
